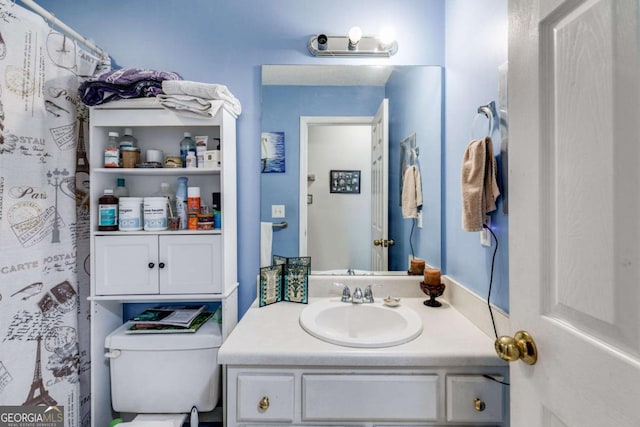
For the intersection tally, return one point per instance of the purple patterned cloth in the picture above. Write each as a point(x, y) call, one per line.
point(124, 83)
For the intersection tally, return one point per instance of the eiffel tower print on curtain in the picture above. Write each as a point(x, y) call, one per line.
point(37, 394)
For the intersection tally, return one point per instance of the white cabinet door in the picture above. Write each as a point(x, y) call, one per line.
point(126, 265)
point(190, 264)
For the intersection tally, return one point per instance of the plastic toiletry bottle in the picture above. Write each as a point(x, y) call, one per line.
point(216, 153)
point(112, 152)
point(127, 140)
point(121, 190)
point(108, 211)
point(191, 160)
point(165, 191)
point(193, 207)
point(181, 202)
point(187, 145)
point(217, 214)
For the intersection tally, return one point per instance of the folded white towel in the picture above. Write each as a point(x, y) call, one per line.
point(266, 238)
point(411, 192)
point(191, 105)
point(207, 91)
point(479, 184)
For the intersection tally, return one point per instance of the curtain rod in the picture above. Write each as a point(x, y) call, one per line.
point(50, 18)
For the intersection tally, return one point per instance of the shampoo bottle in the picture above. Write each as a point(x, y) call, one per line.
point(181, 202)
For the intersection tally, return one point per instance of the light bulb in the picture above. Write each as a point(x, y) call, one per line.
point(387, 36)
point(355, 34)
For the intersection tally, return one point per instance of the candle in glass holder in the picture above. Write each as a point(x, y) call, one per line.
point(432, 276)
point(417, 266)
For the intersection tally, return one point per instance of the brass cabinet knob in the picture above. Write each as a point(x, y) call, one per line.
point(479, 404)
point(263, 405)
point(377, 242)
point(392, 242)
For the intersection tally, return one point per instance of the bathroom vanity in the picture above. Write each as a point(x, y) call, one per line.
point(279, 374)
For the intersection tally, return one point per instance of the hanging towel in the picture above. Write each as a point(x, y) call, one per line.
point(205, 91)
point(266, 238)
point(411, 192)
point(479, 185)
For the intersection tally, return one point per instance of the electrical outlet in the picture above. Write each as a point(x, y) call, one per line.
point(277, 211)
point(485, 235)
point(420, 219)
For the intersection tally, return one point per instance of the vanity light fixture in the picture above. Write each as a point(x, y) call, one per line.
point(353, 44)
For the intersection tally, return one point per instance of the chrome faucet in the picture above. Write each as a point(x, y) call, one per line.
point(351, 272)
point(346, 293)
point(368, 295)
point(357, 297)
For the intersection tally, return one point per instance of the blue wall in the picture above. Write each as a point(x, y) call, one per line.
point(221, 41)
point(415, 106)
point(476, 44)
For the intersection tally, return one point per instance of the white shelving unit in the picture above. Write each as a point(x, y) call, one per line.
point(165, 266)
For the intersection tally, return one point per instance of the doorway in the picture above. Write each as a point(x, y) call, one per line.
point(332, 225)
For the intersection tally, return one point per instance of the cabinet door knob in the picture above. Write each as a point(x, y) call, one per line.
point(151, 265)
point(479, 404)
point(161, 265)
point(263, 405)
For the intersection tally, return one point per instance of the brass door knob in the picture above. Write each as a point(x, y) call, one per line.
point(263, 405)
point(377, 242)
point(391, 242)
point(479, 404)
point(521, 346)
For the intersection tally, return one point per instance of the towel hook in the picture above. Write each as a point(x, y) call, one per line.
point(489, 111)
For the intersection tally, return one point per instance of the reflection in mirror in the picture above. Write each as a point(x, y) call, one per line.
point(330, 115)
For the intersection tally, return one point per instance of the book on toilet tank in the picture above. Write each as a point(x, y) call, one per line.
point(181, 316)
point(147, 328)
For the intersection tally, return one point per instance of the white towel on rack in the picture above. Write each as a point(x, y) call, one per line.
point(411, 192)
point(479, 184)
point(266, 242)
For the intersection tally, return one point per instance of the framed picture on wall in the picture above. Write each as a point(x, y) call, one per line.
point(272, 152)
point(344, 181)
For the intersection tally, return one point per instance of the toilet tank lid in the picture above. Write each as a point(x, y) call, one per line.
point(208, 336)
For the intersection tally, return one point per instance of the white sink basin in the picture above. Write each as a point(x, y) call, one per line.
point(360, 325)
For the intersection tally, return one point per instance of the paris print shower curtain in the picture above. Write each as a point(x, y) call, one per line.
point(44, 229)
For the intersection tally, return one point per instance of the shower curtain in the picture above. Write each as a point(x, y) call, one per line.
point(44, 228)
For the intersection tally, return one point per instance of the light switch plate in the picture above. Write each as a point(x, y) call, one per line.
point(277, 211)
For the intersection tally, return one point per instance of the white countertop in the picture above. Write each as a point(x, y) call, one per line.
point(272, 335)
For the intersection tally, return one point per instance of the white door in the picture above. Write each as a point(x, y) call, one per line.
point(379, 188)
point(574, 236)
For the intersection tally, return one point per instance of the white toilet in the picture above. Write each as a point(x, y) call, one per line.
point(168, 373)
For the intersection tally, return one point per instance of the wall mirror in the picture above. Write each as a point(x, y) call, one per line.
point(324, 119)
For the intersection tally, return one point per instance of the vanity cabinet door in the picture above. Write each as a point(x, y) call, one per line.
point(126, 265)
point(474, 399)
point(265, 398)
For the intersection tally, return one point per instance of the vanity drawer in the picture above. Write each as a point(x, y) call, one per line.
point(369, 397)
point(265, 397)
point(473, 398)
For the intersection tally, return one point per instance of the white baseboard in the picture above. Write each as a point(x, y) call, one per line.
point(474, 308)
